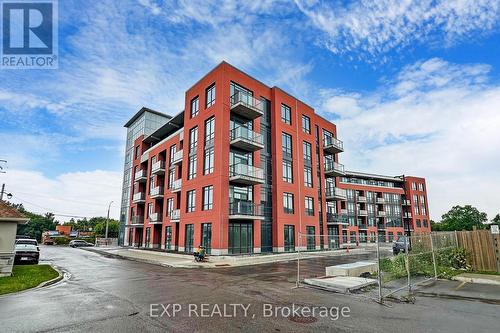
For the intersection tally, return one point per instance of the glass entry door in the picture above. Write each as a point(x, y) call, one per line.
point(240, 237)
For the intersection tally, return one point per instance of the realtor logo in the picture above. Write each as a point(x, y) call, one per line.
point(29, 34)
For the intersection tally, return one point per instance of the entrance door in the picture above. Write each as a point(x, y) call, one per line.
point(189, 238)
point(240, 237)
point(168, 238)
point(311, 239)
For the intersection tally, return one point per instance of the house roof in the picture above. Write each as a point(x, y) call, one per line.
point(8, 213)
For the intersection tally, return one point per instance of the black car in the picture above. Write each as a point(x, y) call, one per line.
point(26, 253)
point(400, 245)
point(79, 243)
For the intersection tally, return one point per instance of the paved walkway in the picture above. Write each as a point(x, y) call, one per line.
point(478, 278)
point(187, 261)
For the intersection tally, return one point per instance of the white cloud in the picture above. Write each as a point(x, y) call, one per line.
point(437, 120)
point(77, 193)
point(376, 27)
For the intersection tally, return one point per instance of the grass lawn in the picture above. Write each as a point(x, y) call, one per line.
point(25, 277)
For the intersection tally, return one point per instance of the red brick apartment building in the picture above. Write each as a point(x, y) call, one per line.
point(245, 168)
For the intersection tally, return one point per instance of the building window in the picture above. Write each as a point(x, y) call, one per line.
point(286, 114)
point(208, 197)
point(192, 166)
point(309, 206)
point(168, 238)
point(195, 106)
point(172, 152)
point(286, 145)
point(306, 146)
point(210, 96)
point(306, 124)
point(193, 140)
point(418, 223)
point(206, 237)
point(287, 171)
point(288, 203)
point(420, 186)
point(311, 239)
point(308, 177)
point(191, 201)
point(150, 210)
point(208, 165)
point(209, 131)
point(171, 178)
point(170, 206)
point(289, 238)
point(137, 152)
point(189, 238)
point(414, 186)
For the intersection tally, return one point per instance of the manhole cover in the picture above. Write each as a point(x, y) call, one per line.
point(303, 320)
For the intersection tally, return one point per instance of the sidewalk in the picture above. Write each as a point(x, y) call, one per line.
point(460, 290)
point(186, 261)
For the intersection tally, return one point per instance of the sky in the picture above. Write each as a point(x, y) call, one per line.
point(413, 86)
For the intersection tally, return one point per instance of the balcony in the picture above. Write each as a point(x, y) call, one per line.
point(141, 176)
point(335, 193)
point(333, 145)
point(407, 215)
point(177, 158)
point(245, 210)
point(381, 226)
point(139, 198)
point(176, 186)
point(246, 105)
point(175, 215)
point(335, 218)
point(334, 169)
point(380, 200)
point(406, 202)
point(361, 198)
point(362, 212)
point(137, 220)
point(246, 174)
point(156, 192)
point(381, 213)
point(343, 211)
point(158, 168)
point(243, 138)
point(155, 218)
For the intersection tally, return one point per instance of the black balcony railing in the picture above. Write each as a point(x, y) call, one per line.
point(247, 208)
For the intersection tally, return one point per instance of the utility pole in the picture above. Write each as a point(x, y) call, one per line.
point(9, 195)
point(107, 221)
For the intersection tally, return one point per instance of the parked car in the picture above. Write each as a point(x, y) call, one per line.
point(400, 245)
point(28, 241)
point(26, 253)
point(79, 243)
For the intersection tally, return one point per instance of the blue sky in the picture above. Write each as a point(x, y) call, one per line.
point(412, 85)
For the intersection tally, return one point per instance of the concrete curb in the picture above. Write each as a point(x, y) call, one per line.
point(451, 296)
point(480, 280)
point(41, 285)
point(217, 263)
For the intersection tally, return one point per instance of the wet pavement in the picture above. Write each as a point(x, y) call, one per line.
point(104, 294)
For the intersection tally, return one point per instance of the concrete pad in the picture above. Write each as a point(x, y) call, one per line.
point(478, 278)
point(353, 269)
point(342, 284)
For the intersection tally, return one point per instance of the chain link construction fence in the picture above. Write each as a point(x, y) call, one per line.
point(387, 268)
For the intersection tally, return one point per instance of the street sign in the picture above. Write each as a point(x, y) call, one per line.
point(494, 229)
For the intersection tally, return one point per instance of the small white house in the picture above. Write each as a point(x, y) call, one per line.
point(9, 219)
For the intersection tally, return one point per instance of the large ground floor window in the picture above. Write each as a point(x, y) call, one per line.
point(148, 236)
point(311, 239)
point(189, 238)
point(240, 237)
point(168, 238)
point(333, 237)
point(289, 238)
point(206, 236)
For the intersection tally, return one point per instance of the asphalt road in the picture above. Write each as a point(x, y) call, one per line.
point(101, 294)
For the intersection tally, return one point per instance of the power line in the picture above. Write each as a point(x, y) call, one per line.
point(48, 210)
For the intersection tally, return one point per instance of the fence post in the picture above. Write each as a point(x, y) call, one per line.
point(297, 284)
point(379, 272)
point(456, 239)
point(433, 257)
point(407, 259)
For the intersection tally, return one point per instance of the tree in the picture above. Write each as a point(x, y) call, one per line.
point(462, 218)
point(37, 223)
point(113, 226)
point(496, 219)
